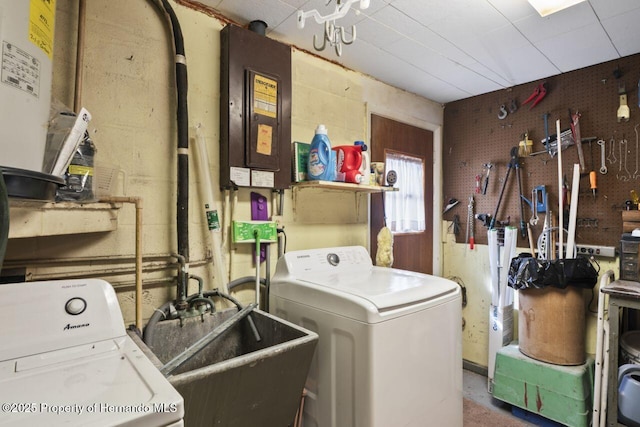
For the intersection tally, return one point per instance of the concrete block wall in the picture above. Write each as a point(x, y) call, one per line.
point(128, 88)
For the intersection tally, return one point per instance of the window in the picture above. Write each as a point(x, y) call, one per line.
point(404, 209)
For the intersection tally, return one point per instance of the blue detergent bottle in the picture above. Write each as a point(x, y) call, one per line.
point(322, 163)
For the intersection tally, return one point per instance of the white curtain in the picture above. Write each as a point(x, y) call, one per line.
point(404, 209)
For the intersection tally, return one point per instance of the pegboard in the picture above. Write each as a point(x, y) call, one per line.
point(474, 135)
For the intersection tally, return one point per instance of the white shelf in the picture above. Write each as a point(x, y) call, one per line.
point(34, 219)
point(343, 186)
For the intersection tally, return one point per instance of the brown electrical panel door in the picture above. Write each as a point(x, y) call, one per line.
point(255, 110)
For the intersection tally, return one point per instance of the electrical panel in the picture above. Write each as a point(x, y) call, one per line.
point(255, 110)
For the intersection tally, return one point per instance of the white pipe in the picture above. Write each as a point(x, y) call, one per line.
point(560, 209)
point(573, 212)
point(509, 249)
point(494, 250)
point(598, 400)
point(211, 213)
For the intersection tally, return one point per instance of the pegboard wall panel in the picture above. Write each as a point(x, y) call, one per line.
point(474, 135)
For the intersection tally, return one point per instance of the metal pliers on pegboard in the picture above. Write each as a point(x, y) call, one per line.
point(538, 94)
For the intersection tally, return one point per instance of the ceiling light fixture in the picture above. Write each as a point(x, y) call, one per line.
point(547, 7)
point(333, 34)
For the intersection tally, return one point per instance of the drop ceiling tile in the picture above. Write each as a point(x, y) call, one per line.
point(467, 79)
point(273, 12)
point(535, 28)
point(624, 31)
point(440, 46)
point(594, 47)
point(428, 12)
point(607, 8)
point(397, 20)
point(475, 19)
point(374, 32)
point(514, 10)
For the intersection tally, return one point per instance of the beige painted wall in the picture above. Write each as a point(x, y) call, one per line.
point(472, 267)
point(128, 88)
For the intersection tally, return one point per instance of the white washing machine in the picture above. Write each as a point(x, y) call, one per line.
point(390, 341)
point(66, 359)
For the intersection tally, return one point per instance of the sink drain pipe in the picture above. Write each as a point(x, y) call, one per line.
point(182, 212)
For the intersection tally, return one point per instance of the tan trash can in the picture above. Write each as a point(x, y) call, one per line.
point(551, 324)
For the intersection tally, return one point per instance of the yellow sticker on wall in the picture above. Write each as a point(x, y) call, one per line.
point(265, 139)
point(265, 96)
point(41, 24)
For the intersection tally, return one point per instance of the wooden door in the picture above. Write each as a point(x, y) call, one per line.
point(411, 251)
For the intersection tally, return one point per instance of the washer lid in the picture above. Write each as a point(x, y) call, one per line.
point(107, 383)
point(388, 289)
point(343, 281)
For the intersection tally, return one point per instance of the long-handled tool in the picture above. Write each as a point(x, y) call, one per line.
point(523, 224)
point(513, 164)
point(510, 165)
point(545, 116)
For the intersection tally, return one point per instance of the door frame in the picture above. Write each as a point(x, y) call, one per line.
point(398, 116)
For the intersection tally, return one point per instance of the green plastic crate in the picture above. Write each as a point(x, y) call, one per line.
point(560, 393)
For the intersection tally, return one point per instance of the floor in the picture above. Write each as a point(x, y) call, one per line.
point(488, 412)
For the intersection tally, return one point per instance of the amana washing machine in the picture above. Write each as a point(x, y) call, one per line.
point(390, 341)
point(65, 359)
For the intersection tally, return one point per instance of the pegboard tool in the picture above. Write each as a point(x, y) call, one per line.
point(603, 163)
point(470, 224)
point(546, 116)
point(485, 184)
point(513, 164)
point(574, 120)
point(538, 202)
point(623, 109)
point(592, 183)
point(538, 94)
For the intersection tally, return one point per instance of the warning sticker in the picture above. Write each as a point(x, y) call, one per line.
point(265, 96)
point(41, 24)
point(20, 69)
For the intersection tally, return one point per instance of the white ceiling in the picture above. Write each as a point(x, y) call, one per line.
point(447, 50)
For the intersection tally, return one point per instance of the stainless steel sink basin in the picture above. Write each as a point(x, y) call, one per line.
point(236, 380)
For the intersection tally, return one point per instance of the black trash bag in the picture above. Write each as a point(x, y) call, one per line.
point(528, 272)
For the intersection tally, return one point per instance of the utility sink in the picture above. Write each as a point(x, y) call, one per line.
point(236, 380)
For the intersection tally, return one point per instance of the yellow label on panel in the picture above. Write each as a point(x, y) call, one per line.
point(41, 24)
point(265, 139)
point(265, 96)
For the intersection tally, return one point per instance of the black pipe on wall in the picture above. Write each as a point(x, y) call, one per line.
point(182, 212)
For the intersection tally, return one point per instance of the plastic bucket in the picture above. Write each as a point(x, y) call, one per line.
point(630, 347)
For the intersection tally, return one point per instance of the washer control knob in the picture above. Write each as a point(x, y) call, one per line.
point(75, 306)
point(333, 259)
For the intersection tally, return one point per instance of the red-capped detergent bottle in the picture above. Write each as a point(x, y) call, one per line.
point(365, 165)
point(348, 163)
